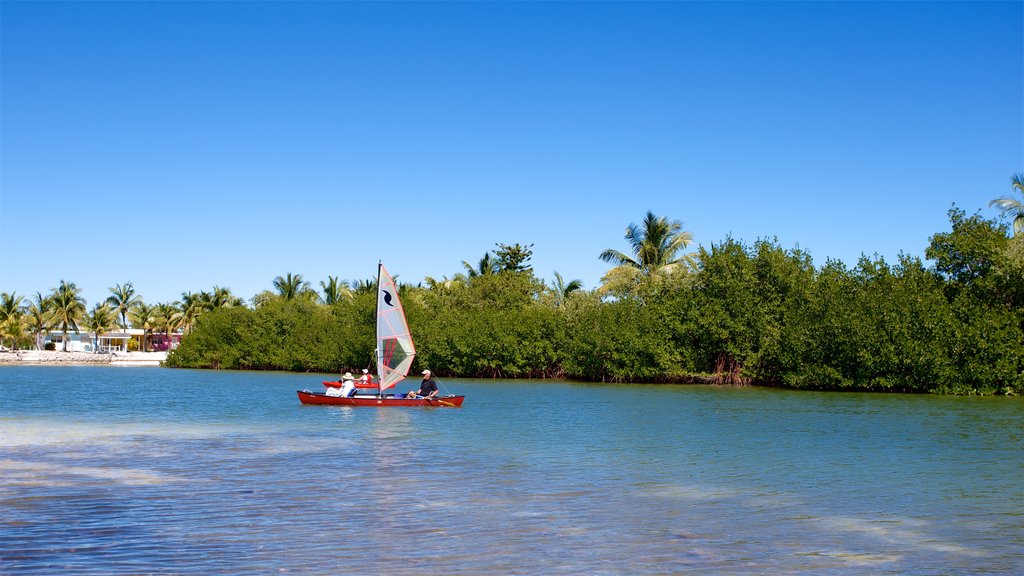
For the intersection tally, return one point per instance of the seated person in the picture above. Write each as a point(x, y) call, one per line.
point(428, 387)
point(348, 387)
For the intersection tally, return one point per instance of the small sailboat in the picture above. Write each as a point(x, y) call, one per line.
point(395, 353)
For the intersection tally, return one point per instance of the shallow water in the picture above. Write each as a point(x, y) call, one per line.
point(109, 470)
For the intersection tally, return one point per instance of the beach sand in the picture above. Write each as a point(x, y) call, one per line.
point(47, 357)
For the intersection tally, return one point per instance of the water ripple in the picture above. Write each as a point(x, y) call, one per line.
point(628, 481)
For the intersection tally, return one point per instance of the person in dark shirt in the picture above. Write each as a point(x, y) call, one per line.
point(428, 387)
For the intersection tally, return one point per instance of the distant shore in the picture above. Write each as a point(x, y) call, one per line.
point(48, 357)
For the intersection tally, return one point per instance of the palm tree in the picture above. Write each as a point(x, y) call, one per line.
point(122, 298)
point(68, 308)
point(1013, 206)
point(655, 246)
point(39, 318)
point(143, 317)
point(444, 283)
point(13, 328)
point(100, 320)
point(291, 286)
point(167, 317)
point(487, 265)
point(334, 291)
point(364, 286)
point(11, 311)
point(192, 306)
point(562, 290)
point(223, 298)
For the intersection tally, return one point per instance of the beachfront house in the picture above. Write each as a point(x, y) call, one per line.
point(76, 341)
point(113, 341)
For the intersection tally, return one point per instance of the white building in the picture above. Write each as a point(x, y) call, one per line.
point(111, 341)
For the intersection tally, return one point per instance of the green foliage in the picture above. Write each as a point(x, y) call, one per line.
point(1012, 206)
point(12, 320)
point(122, 298)
point(494, 325)
point(68, 308)
point(101, 319)
point(296, 335)
point(656, 244)
point(624, 340)
point(513, 258)
point(487, 265)
point(967, 253)
point(756, 314)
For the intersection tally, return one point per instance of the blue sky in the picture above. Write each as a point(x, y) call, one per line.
point(182, 145)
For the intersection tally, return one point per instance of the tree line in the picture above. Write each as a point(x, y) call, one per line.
point(25, 322)
point(726, 313)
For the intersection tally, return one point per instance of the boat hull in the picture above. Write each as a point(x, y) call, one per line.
point(388, 400)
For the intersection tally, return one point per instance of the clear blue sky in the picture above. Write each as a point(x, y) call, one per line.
point(182, 145)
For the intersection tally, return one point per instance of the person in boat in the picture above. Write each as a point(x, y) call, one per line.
point(366, 377)
point(428, 387)
point(348, 385)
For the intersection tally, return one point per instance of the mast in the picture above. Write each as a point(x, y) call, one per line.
point(377, 351)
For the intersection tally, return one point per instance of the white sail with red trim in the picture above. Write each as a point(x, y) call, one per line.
point(395, 350)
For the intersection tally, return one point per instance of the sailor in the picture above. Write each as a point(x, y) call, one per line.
point(428, 387)
point(348, 386)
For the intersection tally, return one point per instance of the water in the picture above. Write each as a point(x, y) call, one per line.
point(109, 470)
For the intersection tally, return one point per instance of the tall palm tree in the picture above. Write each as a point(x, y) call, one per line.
point(561, 289)
point(143, 317)
point(68, 308)
point(444, 283)
point(100, 320)
point(167, 317)
point(14, 328)
point(1013, 206)
point(39, 317)
point(291, 286)
point(655, 245)
point(223, 298)
point(192, 306)
point(334, 291)
point(122, 298)
point(12, 308)
point(487, 265)
point(364, 286)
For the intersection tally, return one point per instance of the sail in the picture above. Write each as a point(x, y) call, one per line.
point(395, 350)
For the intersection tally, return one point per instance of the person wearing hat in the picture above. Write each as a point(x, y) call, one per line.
point(428, 387)
point(348, 386)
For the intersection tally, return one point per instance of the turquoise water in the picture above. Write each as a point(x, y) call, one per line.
point(109, 470)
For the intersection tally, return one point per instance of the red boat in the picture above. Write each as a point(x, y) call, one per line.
point(320, 398)
point(395, 353)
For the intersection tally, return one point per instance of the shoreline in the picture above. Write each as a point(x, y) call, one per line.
point(57, 358)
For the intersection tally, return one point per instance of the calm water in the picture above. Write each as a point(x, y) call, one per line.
point(142, 470)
